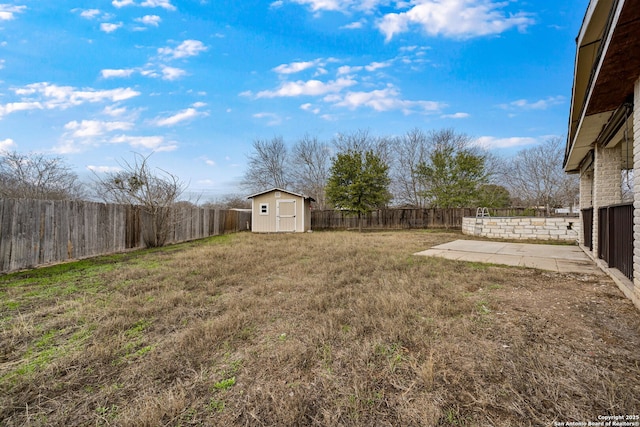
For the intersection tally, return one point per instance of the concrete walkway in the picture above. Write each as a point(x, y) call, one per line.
point(560, 258)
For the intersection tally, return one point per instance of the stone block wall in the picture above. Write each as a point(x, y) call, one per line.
point(523, 228)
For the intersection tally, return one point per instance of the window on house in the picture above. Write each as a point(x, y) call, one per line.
point(264, 208)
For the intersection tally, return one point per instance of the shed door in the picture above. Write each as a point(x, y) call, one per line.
point(285, 215)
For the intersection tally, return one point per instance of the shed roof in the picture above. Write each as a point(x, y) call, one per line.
point(284, 191)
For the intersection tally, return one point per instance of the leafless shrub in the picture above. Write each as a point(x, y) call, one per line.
point(153, 191)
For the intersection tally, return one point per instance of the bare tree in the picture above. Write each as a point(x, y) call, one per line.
point(36, 176)
point(267, 166)
point(410, 151)
point(229, 201)
point(536, 176)
point(154, 191)
point(362, 141)
point(311, 161)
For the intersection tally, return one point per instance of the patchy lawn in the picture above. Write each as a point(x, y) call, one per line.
point(334, 328)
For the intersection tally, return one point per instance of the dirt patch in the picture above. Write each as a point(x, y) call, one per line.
point(334, 328)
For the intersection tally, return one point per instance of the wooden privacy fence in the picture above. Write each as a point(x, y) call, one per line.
point(398, 218)
point(37, 232)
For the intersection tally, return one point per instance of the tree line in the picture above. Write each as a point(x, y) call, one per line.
point(354, 171)
point(440, 168)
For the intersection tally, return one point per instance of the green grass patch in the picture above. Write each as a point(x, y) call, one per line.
point(225, 384)
point(215, 405)
point(138, 328)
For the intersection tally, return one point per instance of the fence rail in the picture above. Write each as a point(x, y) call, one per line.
point(37, 232)
point(399, 218)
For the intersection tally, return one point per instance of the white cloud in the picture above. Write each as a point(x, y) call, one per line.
point(489, 142)
point(296, 67)
point(377, 65)
point(309, 107)
point(165, 4)
point(12, 107)
point(90, 13)
point(273, 119)
point(151, 20)
point(455, 18)
point(104, 169)
point(541, 104)
point(171, 73)
point(66, 147)
point(311, 88)
point(340, 5)
point(183, 50)
point(317, 5)
point(181, 116)
point(354, 25)
point(456, 116)
point(110, 73)
point(6, 145)
point(94, 128)
point(199, 104)
point(149, 73)
point(208, 161)
point(8, 11)
point(108, 27)
point(114, 111)
point(387, 99)
point(155, 143)
point(122, 3)
point(62, 97)
point(346, 69)
point(276, 4)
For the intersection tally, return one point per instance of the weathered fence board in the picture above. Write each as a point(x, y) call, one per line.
point(399, 218)
point(37, 232)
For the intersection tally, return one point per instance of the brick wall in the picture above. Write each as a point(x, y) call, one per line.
point(586, 195)
point(525, 228)
point(607, 189)
point(586, 189)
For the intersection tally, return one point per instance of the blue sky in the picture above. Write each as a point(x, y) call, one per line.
point(197, 81)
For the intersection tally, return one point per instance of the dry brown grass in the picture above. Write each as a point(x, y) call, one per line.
point(317, 329)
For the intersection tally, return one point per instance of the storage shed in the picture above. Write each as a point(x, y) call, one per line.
point(280, 211)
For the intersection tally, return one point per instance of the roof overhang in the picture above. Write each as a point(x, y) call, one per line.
point(607, 66)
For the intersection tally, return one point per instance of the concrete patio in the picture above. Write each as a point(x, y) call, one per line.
point(559, 258)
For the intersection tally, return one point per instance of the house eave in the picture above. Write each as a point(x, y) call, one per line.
point(606, 68)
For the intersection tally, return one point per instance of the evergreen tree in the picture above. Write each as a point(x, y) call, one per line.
point(358, 182)
point(453, 172)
